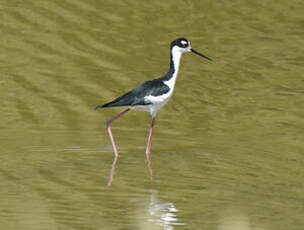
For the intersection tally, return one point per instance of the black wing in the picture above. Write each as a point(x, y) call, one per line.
point(137, 96)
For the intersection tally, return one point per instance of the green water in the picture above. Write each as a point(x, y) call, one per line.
point(227, 150)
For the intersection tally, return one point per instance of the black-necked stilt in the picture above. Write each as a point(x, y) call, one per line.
point(151, 95)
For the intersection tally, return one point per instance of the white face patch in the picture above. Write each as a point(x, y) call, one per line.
point(183, 42)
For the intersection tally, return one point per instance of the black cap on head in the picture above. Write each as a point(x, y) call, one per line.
point(180, 42)
point(185, 45)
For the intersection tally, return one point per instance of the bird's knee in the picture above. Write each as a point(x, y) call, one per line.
point(109, 123)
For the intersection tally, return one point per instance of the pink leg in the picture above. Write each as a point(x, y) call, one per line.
point(150, 139)
point(110, 131)
point(112, 172)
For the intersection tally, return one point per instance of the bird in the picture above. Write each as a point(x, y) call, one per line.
point(151, 95)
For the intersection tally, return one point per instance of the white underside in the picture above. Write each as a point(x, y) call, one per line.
point(159, 101)
point(156, 103)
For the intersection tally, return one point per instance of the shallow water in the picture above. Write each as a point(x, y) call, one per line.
point(227, 150)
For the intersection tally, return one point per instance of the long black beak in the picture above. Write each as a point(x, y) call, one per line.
point(202, 55)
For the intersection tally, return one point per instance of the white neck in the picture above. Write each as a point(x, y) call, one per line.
point(176, 55)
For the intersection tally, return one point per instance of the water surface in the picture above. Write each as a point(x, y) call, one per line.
point(227, 151)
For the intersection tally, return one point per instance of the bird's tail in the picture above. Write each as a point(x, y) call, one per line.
point(97, 107)
point(110, 104)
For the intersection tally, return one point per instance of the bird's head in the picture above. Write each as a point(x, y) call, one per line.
point(182, 45)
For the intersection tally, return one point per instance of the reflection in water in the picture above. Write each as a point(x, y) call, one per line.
point(112, 171)
point(239, 142)
point(234, 220)
point(111, 177)
point(162, 213)
point(149, 166)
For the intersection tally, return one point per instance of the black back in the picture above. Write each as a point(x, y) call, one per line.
point(136, 96)
point(154, 87)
